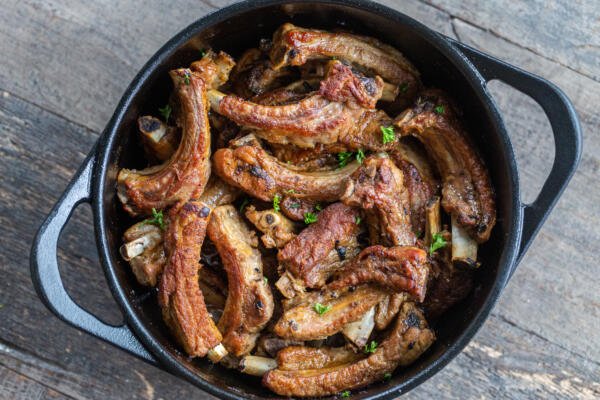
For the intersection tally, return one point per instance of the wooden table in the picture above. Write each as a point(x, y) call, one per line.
point(64, 66)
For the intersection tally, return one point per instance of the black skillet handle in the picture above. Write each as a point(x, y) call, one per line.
point(46, 275)
point(565, 127)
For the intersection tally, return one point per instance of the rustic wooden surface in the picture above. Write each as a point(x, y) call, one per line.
point(64, 66)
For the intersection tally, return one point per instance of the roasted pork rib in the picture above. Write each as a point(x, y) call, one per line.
point(249, 303)
point(467, 193)
point(328, 374)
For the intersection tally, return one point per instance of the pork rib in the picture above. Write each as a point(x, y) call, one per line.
point(377, 187)
point(400, 269)
point(249, 303)
point(467, 192)
point(179, 296)
point(250, 168)
point(188, 168)
point(406, 342)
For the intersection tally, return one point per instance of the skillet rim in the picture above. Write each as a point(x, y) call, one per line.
point(446, 48)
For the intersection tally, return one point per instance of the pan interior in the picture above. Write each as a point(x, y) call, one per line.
point(237, 29)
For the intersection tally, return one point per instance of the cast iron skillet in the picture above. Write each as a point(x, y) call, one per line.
point(443, 62)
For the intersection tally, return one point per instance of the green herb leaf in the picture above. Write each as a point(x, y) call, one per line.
point(387, 376)
point(186, 78)
point(345, 394)
point(310, 218)
point(321, 309)
point(276, 202)
point(265, 280)
point(202, 53)
point(371, 347)
point(404, 87)
point(439, 109)
point(157, 219)
point(244, 204)
point(360, 156)
point(295, 205)
point(437, 243)
point(357, 220)
point(290, 191)
point(344, 158)
point(388, 134)
point(318, 207)
point(166, 112)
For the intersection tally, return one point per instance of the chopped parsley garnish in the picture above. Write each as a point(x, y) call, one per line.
point(387, 376)
point(290, 191)
point(318, 207)
point(360, 156)
point(437, 243)
point(276, 201)
point(388, 134)
point(165, 112)
point(157, 219)
point(371, 347)
point(186, 78)
point(344, 158)
point(404, 87)
point(265, 280)
point(345, 394)
point(357, 220)
point(202, 53)
point(310, 218)
point(321, 309)
point(439, 109)
point(244, 204)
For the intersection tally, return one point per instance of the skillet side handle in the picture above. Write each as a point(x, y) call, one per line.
point(46, 276)
point(565, 128)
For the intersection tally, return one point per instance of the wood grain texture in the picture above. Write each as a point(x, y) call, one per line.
point(65, 65)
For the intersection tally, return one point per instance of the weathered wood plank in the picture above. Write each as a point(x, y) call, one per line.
point(17, 386)
point(567, 32)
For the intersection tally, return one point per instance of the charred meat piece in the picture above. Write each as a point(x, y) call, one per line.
point(179, 296)
point(399, 269)
point(188, 168)
point(388, 309)
point(323, 247)
point(409, 338)
point(334, 113)
point(295, 46)
point(277, 230)
point(377, 187)
point(160, 140)
point(271, 345)
point(318, 315)
point(249, 304)
point(447, 287)
point(144, 251)
point(467, 193)
point(321, 157)
point(252, 169)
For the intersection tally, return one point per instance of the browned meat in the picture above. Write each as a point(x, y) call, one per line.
point(296, 358)
point(214, 68)
point(261, 175)
point(388, 309)
point(332, 114)
point(409, 338)
point(217, 193)
point(254, 75)
point(295, 209)
point(321, 157)
point(377, 187)
point(160, 140)
point(323, 247)
point(448, 286)
point(399, 269)
point(179, 296)
point(467, 193)
point(278, 97)
point(144, 251)
point(302, 320)
point(188, 169)
point(293, 45)
point(269, 344)
point(249, 304)
point(277, 230)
